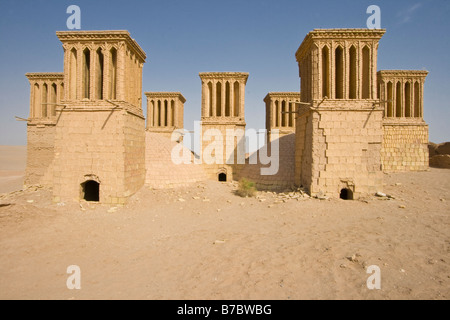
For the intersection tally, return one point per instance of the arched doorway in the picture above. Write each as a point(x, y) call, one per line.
point(346, 194)
point(90, 191)
point(222, 177)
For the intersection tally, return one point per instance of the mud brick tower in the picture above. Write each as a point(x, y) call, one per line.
point(100, 130)
point(165, 112)
point(223, 101)
point(280, 112)
point(405, 133)
point(339, 128)
point(46, 93)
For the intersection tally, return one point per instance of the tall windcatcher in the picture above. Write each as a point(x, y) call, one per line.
point(100, 130)
point(339, 123)
point(223, 122)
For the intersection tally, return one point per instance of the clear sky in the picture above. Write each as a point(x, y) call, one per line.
point(182, 38)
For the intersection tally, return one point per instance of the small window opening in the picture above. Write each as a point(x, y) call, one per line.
point(346, 194)
point(91, 191)
point(222, 177)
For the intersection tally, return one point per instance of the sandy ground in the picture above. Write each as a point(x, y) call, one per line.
point(12, 167)
point(207, 243)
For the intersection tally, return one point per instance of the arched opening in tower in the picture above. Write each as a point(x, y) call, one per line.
point(90, 191)
point(346, 194)
point(222, 177)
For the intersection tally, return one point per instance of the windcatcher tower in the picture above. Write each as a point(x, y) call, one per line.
point(223, 122)
point(46, 93)
point(165, 111)
point(339, 123)
point(280, 112)
point(100, 130)
point(405, 133)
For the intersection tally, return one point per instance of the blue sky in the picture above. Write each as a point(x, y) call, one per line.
point(182, 38)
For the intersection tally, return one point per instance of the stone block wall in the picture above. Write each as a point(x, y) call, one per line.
point(134, 143)
point(303, 151)
point(102, 145)
point(405, 147)
point(225, 147)
point(284, 178)
point(40, 154)
point(339, 148)
point(162, 172)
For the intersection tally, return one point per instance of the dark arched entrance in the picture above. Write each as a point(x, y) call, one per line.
point(346, 194)
point(222, 177)
point(90, 190)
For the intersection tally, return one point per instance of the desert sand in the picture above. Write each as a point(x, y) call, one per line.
point(12, 167)
point(205, 242)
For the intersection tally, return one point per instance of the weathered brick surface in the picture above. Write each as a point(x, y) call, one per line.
point(162, 172)
point(40, 154)
point(224, 161)
point(108, 145)
point(284, 177)
point(405, 147)
point(340, 149)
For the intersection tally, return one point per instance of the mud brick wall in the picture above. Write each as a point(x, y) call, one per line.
point(40, 154)
point(405, 147)
point(340, 148)
point(99, 144)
